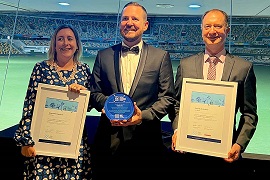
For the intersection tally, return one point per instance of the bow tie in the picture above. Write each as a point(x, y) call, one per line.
point(133, 49)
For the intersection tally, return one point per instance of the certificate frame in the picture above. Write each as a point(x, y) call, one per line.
point(58, 120)
point(206, 117)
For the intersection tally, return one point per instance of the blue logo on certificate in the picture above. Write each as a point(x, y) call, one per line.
point(119, 106)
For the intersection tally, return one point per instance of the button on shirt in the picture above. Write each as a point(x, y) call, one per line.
point(129, 62)
point(219, 67)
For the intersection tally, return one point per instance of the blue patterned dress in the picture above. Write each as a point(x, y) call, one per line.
point(47, 167)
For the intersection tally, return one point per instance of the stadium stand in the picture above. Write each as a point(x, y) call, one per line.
point(180, 35)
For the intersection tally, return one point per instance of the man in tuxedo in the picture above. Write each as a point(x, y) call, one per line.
point(215, 28)
point(144, 73)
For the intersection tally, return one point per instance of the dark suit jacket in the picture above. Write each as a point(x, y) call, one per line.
point(238, 70)
point(152, 90)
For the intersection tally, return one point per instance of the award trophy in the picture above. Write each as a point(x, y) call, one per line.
point(119, 106)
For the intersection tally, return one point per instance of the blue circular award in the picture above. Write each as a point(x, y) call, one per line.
point(119, 106)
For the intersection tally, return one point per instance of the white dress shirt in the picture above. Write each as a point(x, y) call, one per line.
point(219, 67)
point(129, 62)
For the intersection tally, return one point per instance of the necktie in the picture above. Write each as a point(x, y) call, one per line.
point(133, 49)
point(213, 60)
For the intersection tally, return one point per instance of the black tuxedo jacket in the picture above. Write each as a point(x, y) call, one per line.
point(152, 90)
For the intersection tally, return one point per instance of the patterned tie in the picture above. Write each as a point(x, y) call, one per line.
point(213, 60)
point(133, 49)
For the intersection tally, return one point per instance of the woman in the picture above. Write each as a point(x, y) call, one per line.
point(62, 68)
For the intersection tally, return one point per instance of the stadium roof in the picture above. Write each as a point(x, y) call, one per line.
point(179, 7)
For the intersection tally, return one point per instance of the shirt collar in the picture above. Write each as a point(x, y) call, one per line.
point(221, 55)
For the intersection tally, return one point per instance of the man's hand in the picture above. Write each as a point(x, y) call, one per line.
point(135, 119)
point(234, 153)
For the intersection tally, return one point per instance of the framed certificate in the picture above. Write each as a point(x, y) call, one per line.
point(206, 117)
point(58, 120)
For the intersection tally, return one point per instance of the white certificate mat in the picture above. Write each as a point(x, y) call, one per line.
point(206, 117)
point(58, 120)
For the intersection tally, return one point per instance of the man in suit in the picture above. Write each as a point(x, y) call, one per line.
point(215, 28)
point(132, 145)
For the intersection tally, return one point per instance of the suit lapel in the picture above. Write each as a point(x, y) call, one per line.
point(199, 65)
point(140, 67)
point(229, 62)
point(117, 67)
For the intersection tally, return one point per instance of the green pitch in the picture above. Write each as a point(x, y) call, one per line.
point(15, 73)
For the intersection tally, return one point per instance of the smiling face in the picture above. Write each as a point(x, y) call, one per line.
point(65, 44)
point(133, 24)
point(214, 31)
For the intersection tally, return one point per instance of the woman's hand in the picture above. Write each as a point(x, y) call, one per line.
point(76, 88)
point(28, 151)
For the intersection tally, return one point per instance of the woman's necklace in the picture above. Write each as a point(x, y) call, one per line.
point(62, 77)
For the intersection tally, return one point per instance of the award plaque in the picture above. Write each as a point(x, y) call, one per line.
point(119, 106)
